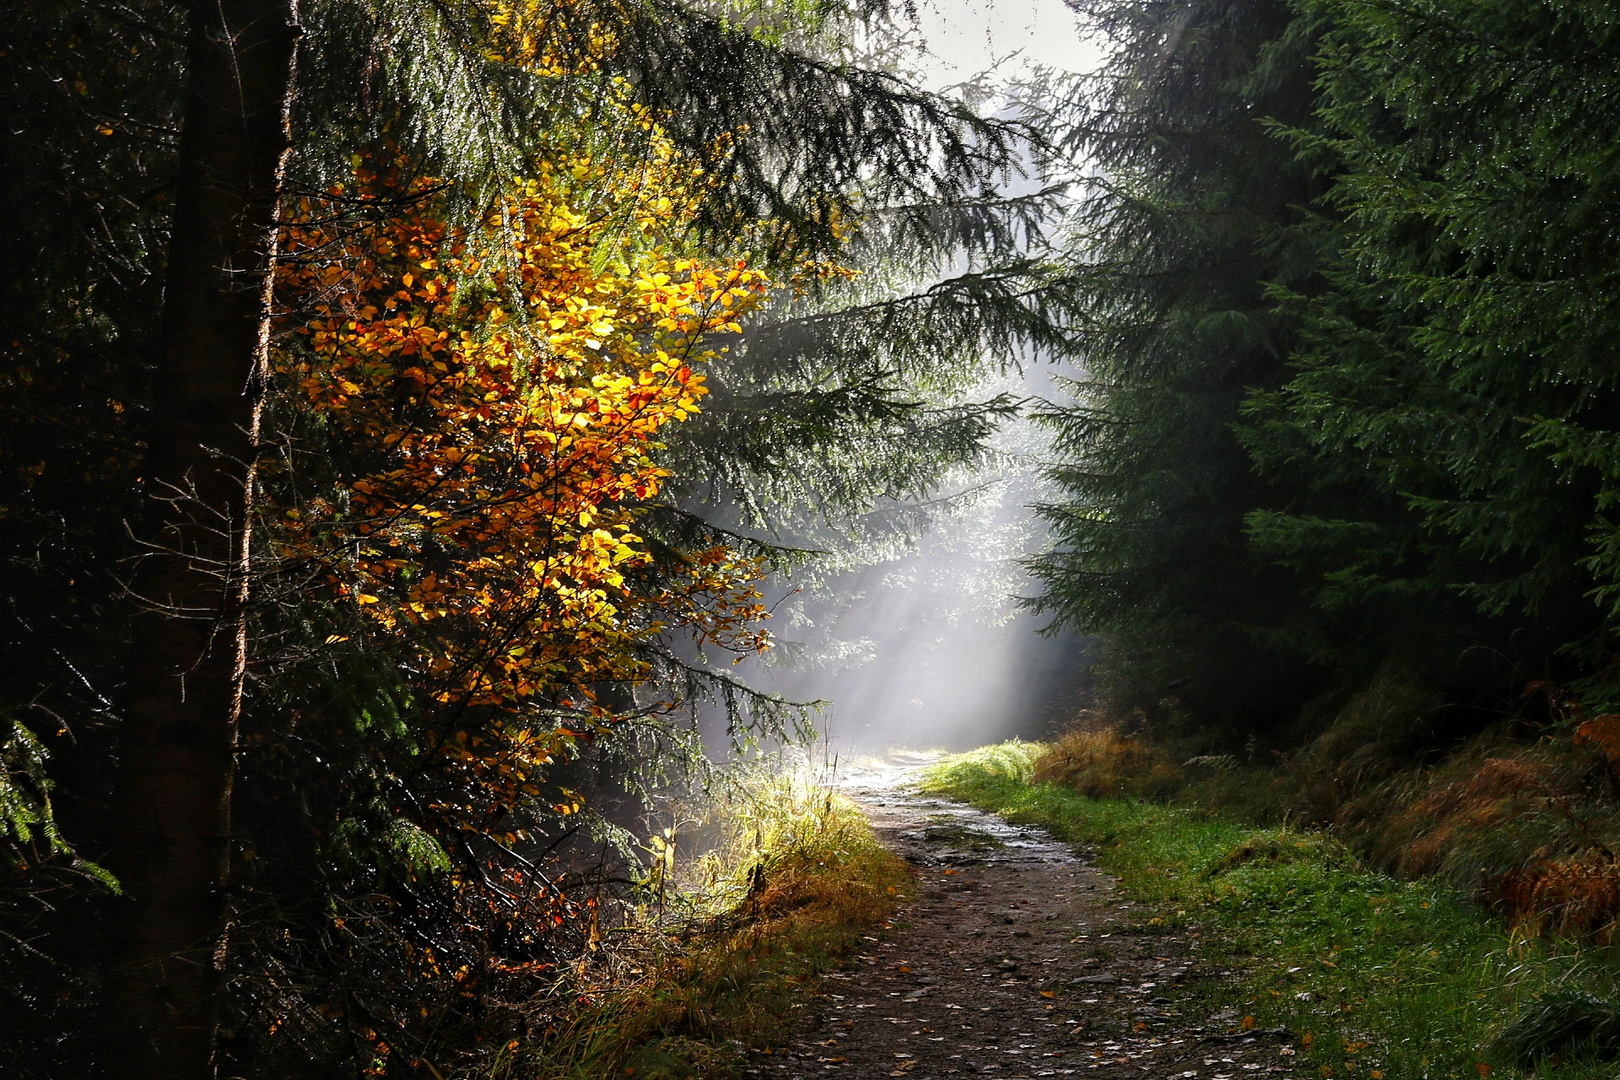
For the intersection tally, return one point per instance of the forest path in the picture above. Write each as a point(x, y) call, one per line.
point(1017, 958)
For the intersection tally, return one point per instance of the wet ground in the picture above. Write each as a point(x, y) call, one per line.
point(1017, 958)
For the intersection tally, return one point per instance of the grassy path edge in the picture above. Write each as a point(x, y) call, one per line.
point(1376, 977)
point(796, 881)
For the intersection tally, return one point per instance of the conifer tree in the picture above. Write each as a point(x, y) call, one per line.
point(1172, 248)
point(1453, 405)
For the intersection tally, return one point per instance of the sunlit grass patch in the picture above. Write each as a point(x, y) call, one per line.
point(987, 768)
point(726, 953)
point(1375, 977)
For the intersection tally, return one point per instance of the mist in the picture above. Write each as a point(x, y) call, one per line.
point(938, 668)
point(923, 642)
point(915, 637)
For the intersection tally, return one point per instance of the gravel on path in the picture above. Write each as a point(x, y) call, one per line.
point(1017, 958)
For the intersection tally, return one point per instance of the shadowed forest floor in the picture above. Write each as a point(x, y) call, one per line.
point(1016, 958)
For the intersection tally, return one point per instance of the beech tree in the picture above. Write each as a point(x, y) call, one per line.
point(458, 587)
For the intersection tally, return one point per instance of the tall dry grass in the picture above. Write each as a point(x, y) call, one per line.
point(1094, 758)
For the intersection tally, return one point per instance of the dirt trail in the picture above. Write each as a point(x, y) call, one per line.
point(1017, 959)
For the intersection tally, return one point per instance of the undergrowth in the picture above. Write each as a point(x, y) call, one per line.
point(721, 955)
point(1523, 817)
point(1375, 977)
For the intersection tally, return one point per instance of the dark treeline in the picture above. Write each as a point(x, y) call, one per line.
point(1348, 417)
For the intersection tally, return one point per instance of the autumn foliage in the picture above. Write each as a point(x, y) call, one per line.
point(1096, 759)
point(469, 429)
point(498, 399)
point(1573, 893)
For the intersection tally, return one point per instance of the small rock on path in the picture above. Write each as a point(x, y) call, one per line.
point(1018, 958)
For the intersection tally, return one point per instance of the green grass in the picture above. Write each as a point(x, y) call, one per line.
point(1375, 976)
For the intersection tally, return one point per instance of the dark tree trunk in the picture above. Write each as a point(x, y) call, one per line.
point(185, 689)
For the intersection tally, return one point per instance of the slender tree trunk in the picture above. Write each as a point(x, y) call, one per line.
point(186, 687)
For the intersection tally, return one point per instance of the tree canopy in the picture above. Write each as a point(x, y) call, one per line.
point(413, 409)
point(346, 500)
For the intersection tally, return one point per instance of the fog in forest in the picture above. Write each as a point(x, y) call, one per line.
point(927, 643)
point(957, 41)
point(933, 651)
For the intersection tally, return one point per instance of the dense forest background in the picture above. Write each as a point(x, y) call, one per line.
point(1345, 393)
point(411, 411)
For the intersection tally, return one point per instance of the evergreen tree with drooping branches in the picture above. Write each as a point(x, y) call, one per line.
point(1177, 235)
